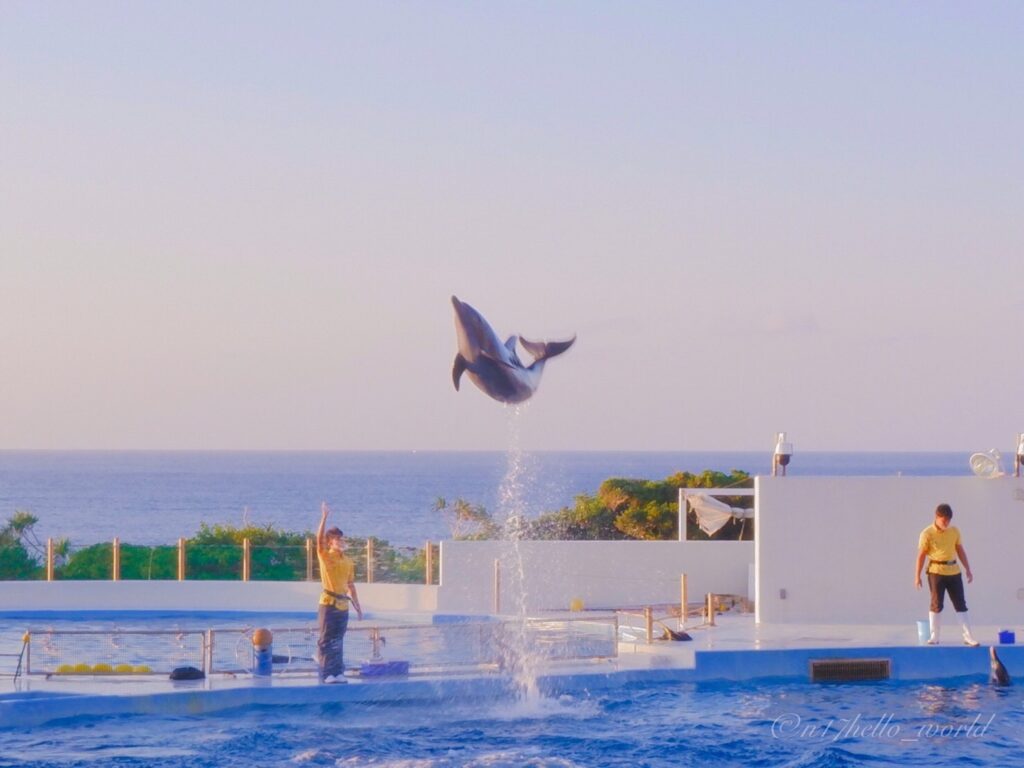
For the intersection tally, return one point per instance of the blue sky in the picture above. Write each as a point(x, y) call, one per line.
point(237, 225)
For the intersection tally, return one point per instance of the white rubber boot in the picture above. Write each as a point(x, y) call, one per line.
point(934, 626)
point(968, 637)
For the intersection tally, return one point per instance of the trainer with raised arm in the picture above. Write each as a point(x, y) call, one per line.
point(940, 543)
point(337, 577)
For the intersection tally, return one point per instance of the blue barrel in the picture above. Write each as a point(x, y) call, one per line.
point(263, 653)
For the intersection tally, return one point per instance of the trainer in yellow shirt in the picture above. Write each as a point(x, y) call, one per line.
point(940, 543)
point(337, 577)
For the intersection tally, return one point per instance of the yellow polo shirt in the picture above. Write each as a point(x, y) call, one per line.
point(336, 571)
point(940, 545)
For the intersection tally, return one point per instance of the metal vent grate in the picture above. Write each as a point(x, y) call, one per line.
point(849, 670)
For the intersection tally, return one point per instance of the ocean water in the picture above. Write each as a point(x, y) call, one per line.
point(153, 497)
point(644, 724)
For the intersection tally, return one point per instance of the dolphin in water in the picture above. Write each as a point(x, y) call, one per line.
point(998, 675)
point(495, 367)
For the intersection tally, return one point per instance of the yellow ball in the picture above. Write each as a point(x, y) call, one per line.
point(262, 639)
point(124, 669)
point(142, 669)
point(82, 669)
point(576, 605)
point(102, 669)
point(65, 669)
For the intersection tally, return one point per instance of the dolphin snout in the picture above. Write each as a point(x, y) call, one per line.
point(464, 313)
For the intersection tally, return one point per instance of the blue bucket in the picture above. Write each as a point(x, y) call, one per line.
point(1007, 637)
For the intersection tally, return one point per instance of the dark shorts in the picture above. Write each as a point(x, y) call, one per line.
point(939, 585)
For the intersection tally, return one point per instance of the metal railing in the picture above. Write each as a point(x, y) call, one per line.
point(112, 652)
point(20, 656)
point(429, 648)
point(117, 561)
point(651, 622)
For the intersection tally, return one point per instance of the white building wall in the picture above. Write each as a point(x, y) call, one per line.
point(603, 574)
point(843, 549)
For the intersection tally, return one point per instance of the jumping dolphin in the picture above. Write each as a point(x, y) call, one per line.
point(495, 367)
point(999, 675)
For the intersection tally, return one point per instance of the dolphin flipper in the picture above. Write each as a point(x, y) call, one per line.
point(542, 350)
point(458, 369)
point(510, 343)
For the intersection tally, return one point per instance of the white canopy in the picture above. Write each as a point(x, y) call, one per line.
point(712, 514)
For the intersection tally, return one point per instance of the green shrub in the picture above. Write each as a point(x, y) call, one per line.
point(21, 553)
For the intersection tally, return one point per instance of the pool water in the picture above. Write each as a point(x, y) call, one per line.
point(650, 724)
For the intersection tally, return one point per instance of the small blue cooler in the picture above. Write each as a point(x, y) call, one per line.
point(1007, 637)
point(384, 669)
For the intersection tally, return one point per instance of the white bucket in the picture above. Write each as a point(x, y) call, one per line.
point(923, 632)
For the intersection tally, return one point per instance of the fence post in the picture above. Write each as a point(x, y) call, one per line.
point(181, 559)
point(497, 587)
point(246, 559)
point(649, 623)
point(369, 560)
point(208, 653)
point(429, 560)
point(116, 570)
point(49, 559)
point(682, 601)
point(309, 559)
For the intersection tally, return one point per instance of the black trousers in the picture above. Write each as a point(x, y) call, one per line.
point(332, 624)
point(939, 585)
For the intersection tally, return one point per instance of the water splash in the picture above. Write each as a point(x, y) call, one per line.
point(516, 655)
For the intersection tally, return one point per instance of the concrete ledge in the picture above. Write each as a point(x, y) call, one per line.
point(34, 707)
point(24, 597)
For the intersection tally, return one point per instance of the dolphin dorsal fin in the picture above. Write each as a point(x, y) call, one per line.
point(510, 343)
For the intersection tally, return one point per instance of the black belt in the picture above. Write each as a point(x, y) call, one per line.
point(336, 596)
point(942, 562)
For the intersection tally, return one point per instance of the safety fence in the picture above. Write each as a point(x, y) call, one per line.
point(428, 648)
point(375, 561)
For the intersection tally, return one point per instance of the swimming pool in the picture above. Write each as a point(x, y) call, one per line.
point(647, 724)
point(657, 717)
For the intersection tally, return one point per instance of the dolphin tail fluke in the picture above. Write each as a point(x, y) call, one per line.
point(999, 675)
point(543, 350)
point(458, 369)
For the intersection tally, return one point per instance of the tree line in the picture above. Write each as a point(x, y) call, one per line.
point(621, 509)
